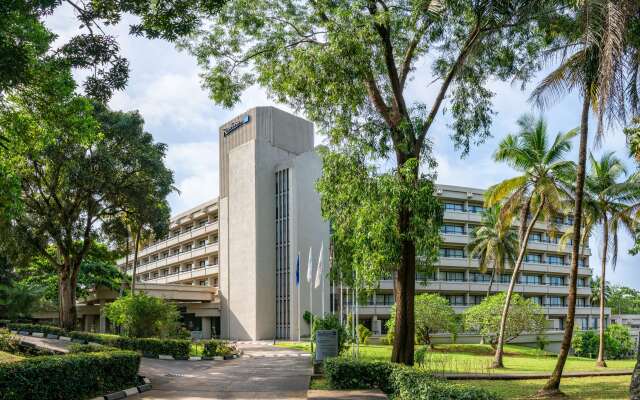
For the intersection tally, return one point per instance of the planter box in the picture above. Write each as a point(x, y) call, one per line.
point(52, 336)
point(24, 333)
point(144, 388)
point(218, 358)
point(65, 338)
point(165, 357)
point(37, 334)
point(207, 358)
point(195, 358)
point(131, 391)
point(81, 341)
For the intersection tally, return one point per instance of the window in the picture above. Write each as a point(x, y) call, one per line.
point(479, 277)
point(559, 220)
point(175, 250)
point(201, 223)
point(453, 253)
point(202, 263)
point(154, 257)
point(202, 283)
point(187, 248)
point(531, 279)
point(456, 300)
point(556, 280)
point(201, 243)
point(165, 254)
point(555, 260)
point(583, 282)
point(595, 322)
point(536, 299)
point(452, 276)
point(581, 263)
point(504, 278)
point(581, 302)
point(476, 208)
point(175, 233)
point(536, 237)
point(454, 207)
point(583, 323)
point(533, 258)
point(452, 229)
point(384, 299)
point(425, 276)
point(555, 301)
point(475, 299)
point(188, 228)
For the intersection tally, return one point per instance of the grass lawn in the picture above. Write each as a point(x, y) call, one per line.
point(476, 358)
point(6, 357)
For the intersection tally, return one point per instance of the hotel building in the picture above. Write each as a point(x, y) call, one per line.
point(240, 249)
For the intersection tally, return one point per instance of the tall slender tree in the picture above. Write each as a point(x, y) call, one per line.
point(539, 191)
point(592, 40)
point(493, 243)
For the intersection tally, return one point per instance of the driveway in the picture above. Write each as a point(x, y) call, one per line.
point(264, 372)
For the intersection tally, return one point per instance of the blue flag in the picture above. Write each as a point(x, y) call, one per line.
point(298, 270)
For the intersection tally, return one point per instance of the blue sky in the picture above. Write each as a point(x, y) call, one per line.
point(165, 87)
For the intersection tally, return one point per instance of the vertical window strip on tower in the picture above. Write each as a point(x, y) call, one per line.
point(282, 255)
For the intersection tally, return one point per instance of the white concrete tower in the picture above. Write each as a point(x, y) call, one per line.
point(269, 210)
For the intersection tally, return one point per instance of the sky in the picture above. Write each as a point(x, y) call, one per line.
point(164, 86)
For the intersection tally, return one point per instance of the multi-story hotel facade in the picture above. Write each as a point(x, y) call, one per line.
point(242, 247)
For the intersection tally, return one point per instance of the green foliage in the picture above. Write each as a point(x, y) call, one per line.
point(398, 381)
point(363, 334)
point(72, 376)
point(618, 343)
point(329, 322)
point(216, 347)
point(9, 343)
point(141, 315)
point(433, 314)
point(150, 347)
point(89, 348)
point(307, 317)
point(524, 316)
point(542, 342)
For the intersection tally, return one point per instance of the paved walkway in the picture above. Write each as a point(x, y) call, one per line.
point(264, 372)
point(59, 346)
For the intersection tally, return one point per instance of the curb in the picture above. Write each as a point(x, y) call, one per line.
point(123, 394)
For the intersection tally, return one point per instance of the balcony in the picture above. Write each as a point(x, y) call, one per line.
point(481, 287)
point(194, 273)
point(385, 310)
point(184, 256)
point(464, 262)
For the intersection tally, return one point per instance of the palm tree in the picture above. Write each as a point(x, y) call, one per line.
point(596, 285)
point(539, 189)
point(493, 243)
point(593, 43)
point(607, 203)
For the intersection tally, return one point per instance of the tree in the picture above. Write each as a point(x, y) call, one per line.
point(592, 38)
point(623, 300)
point(17, 300)
point(608, 202)
point(346, 66)
point(77, 164)
point(524, 316)
point(617, 340)
point(597, 293)
point(538, 192)
point(493, 243)
point(143, 316)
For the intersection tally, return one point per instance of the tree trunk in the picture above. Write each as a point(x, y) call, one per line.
point(493, 275)
point(405, 287)
point(552, 387)
point(135, 262)
point(126, 266)
point(67, 299)
point(605, 246)
point(634, 388)
point(497, 361)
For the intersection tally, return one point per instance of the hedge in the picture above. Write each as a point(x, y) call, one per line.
point(46, 329)
point(215, 347)
point(150, 347)
point(69, 377)
point(401, 382)
point(90, 348)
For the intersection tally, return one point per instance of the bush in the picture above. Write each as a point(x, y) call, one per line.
point(151, 347)
point(69, 377)
point(411, 384)
point(363, 334)
point(9, 343)
point(214, 347)
point(402, 383)
point(328, 323)
point(90, 348)
point(142, 316)
point(617, 343)
point(46, 329)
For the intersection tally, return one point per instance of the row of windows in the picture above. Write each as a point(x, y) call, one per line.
point(536, 258)
point(183, 248)
point(460, 207)
point(387, 299)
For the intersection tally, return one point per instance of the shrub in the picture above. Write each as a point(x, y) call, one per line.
point(542, 342)
point(151, 347)
point(46, 329)
point(69, 377)
point(402, 383)
point(363, 334)
point(9, 343)
point(141, 316)
point(411, 384)
point(617, 343)
point(217, 347)
point(327, 323)
point(89, 348)
point(585, 344)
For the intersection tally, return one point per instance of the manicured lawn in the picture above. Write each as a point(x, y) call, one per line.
point(605, 387)
point(6, 357)
point(477, 358)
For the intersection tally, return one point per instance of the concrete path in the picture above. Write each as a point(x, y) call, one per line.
point(264, 372)
point(58, 346)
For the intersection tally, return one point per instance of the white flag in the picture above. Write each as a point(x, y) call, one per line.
point(310, 266)
point(320, 267)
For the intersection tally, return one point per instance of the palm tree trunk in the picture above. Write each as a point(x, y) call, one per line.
point(135, 261)
point(497, 361)
point(493, 275)
point(552, 387)
point(605, 246)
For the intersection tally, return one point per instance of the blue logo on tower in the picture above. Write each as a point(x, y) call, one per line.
point(235, 125)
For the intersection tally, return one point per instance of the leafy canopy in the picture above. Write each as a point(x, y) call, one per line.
point(433, 314)
point(142, 316)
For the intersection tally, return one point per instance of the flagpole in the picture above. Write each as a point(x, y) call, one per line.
point(309, 281)
point(298, 287)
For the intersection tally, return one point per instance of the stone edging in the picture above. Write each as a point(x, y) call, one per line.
point(159, 357)
point(132, 391)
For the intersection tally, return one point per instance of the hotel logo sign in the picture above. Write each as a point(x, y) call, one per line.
point(235, 125)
